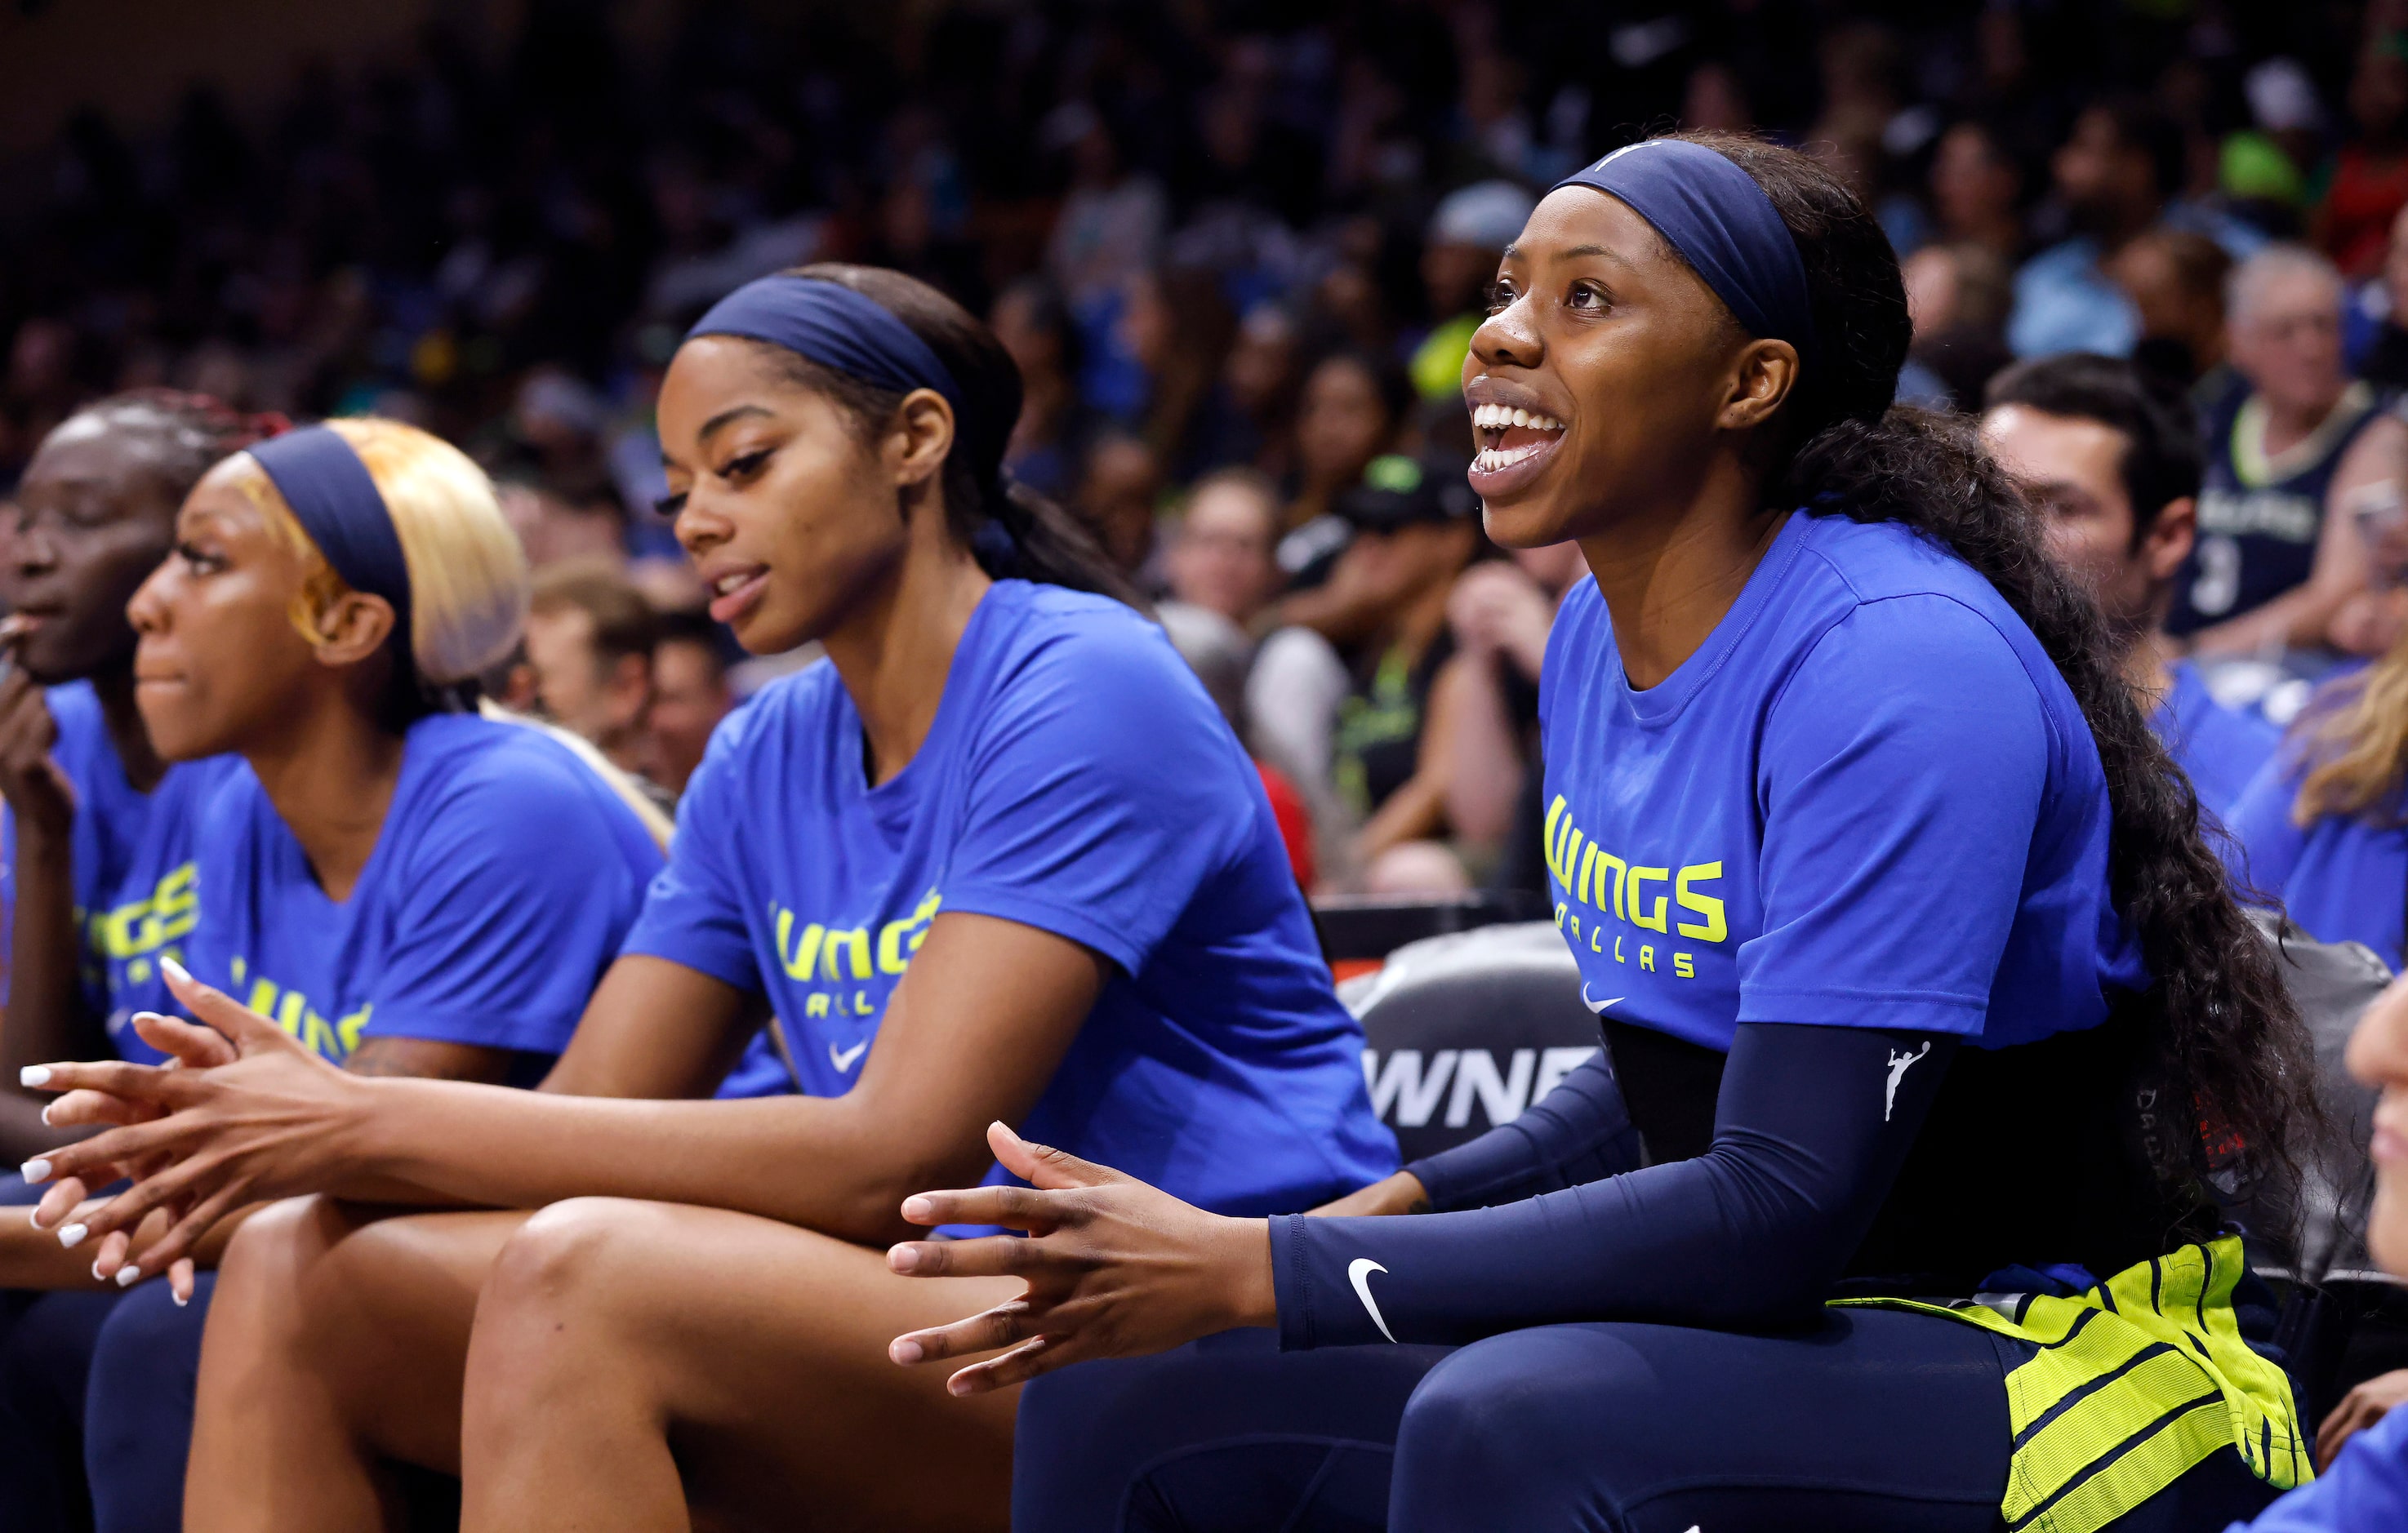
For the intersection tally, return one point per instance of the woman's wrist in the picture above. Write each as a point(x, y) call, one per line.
point(1252, 1297)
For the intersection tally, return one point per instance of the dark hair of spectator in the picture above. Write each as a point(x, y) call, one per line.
point(2162, 460)
point(625, 622)
point(1045, 543)
point(690, 627)
point(2226, 1033)
point(1388, 378)
point(187, 434)
point(2141, 125)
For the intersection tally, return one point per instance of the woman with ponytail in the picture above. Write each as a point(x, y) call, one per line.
point(1930, 1006)
point(998, 857)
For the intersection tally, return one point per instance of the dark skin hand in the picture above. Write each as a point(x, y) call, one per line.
point(2359, 1410)
point(1600, 326)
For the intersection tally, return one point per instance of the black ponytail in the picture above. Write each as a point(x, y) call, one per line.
point(1010, 529)
point(2224, 1031)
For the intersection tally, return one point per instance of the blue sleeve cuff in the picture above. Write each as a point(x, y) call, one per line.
point(723, 957)
point(544, 1035)
point(1077, 926)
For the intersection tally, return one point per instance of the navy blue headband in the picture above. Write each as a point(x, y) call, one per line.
point(1723, 224)
point(833, 326)
point(328, 488)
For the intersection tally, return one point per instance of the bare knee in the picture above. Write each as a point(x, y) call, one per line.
point(565, 1260)
point(266, 1275)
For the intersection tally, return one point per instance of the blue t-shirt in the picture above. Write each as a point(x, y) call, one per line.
point(2343, 879)
point(504, 878)
point(1076, 778)
point(135, 899)
point(2219, 747)
point(1867, 799)
point(2366, 1490)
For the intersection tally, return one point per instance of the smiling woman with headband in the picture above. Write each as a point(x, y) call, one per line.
point(998, 857)
point(1899, 924)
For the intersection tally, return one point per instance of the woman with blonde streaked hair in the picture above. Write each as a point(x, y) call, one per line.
point(407, 887)
point(2322, 828)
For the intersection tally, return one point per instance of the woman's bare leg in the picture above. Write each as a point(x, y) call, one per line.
point(655, 1366)
point(336, 1339)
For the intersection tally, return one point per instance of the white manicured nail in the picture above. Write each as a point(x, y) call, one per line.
point(33, 1075)
point(38, 1169)
point(180, 1300)
point(128, 1275)
point(46, 1114)
point(174, 970)
point(72, 1236)
point(148, 1016)
point(95, 1273)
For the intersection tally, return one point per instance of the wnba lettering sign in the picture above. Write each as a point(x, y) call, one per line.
point(1407, 1087)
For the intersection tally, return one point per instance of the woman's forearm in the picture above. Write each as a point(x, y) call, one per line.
point(814, 1162)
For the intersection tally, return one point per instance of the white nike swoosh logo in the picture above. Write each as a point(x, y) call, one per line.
point(842, 1059)
point(1597, 1007)
point(1358, 1273)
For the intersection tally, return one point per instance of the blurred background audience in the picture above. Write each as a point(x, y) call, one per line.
point(1238, 252)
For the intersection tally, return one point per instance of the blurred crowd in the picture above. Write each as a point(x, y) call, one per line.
point(1238, 252)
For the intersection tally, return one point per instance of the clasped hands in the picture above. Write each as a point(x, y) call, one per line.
point(238, 1114)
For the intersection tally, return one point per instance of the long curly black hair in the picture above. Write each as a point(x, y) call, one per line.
point(2227, 1035)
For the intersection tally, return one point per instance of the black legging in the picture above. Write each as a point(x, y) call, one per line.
point(1877, 1421)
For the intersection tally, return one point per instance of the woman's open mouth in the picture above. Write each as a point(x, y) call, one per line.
point(1514, 446)
point(737, 592)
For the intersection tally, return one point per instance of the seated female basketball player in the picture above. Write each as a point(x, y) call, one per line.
point(1922, 982)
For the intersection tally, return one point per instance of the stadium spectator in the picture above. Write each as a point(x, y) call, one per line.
point(2124, 161)
point(1350, 413)
point(1977, 191)
point(690, 696)
point(2384, 359)
point(2275, 559)
point(1392, 749)
point(2111, 462)
point(2320, 827)
point(590, 637)
point(1220, 557)
point(1458, 263)
point(1500, 614)
point(1118, 491)
point(2175, 280)
point(1050, 442)
point(2369, 185)
point(1959, 295)
point(1248, 419)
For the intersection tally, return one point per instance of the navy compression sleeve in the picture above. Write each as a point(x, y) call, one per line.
point(1576, 1133)
point(1810, 1130)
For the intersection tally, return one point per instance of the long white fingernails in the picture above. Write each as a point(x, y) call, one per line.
point(148, 1016)
point(46, 1114)
point(72, 1236)
point(128, 1275)
point(180, 1300)
point(174, 970)
point(95, 1273)
point(33, 1075)
point(37, 1169)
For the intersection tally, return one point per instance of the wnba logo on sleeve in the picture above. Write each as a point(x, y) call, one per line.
point(1661, 915)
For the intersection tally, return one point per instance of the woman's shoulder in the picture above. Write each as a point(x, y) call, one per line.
point(1032, 641)
point(509, 782)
